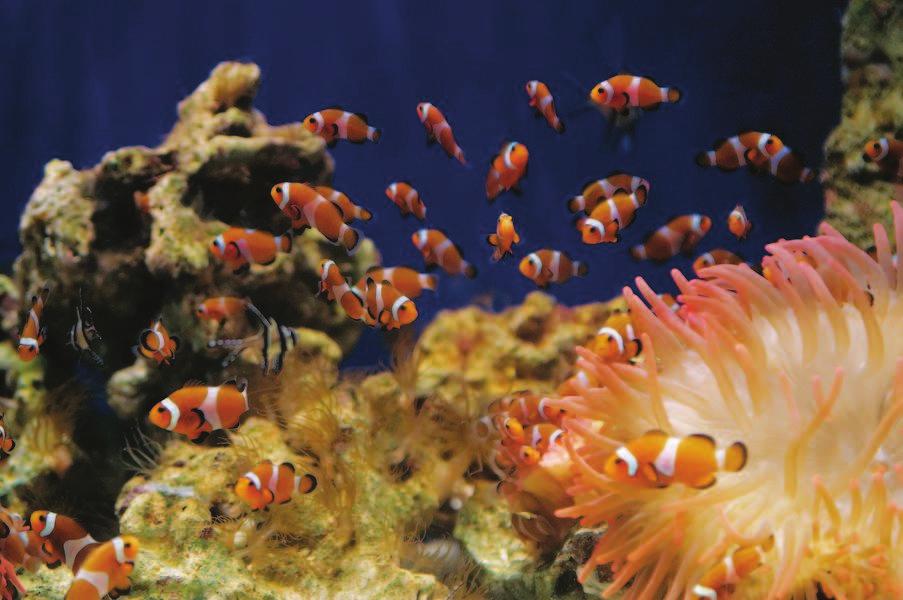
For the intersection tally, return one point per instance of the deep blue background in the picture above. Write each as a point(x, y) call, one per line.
point(82, 78)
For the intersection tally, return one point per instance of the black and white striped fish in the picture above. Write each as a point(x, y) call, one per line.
point(83, 333)
point(273, 340)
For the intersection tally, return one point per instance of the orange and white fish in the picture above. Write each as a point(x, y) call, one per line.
point(156, 343)
point(64, 539)
point(142, 201)
point(722, 577)
point(730, 154)
point(541, 100)
point(220, 308)
point(33, 333)
point(268, 484)
point(437, 249)
point(307, 208)
point(334, 123)
point(718, 256)
point(617, 340)
point(196, 410)
point(623, 92)
point(406, 280)
point(533, 442)
point(786, 166)
point(528, 408)
point(550, 266)
point(7, 443)
point(507, 169)
point(738, 224)
point(239, 248)
point(594, 192)
point(106, 571)
point(611, 216)
point(18, 543)
point(388, 307)
point(335, 286)
point(656, 460)
point(350, 210)
point(407, 199)
point(504, 238)
point(438, 129)
point(680, 234)
point(887, 153)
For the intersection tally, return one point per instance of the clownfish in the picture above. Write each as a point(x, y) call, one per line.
point(507, 169)
point(730, 154)
point(738, 224)
point(718, 256)
point(7, 443)
point(656, 460)
point(887, 153)
point(527, 408)
point(221, 308)
point(438, 129)
point(64, 539)
point(623, 92)
point(550, 266)
point(786, 166)
point(596, 191)
point(610, 217)
point(196, 410)
point(269, 484)
point(541, 100)
point(388, 307)
point(731, 570)
point(142, 201)
point(335, 286)
point(680, 234)
point(406, 280)
point(18, 543)
point(156, 343)
point(616, 340)
point(83, 332)
point(407, 199)
point(530, 442)
point(504, 238)
point(33, 334)
point(350, 210)
point(239, 248)
point(307, 208)
point(334, 123)
point(106, 570)
point(437, 249)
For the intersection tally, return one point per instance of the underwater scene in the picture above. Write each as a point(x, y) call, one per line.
point(466, 300)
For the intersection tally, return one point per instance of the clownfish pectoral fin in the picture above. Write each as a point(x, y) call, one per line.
point(650, 473)
point(200, 437)
point(516, 238)
point(705, 482)
point(546, 272)
point(492, 239)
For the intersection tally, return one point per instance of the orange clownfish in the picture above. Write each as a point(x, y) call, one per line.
point(404, 279)
point(718, 256)
point(507, 169)
point(438, 129)
point(527, 408)
point(541, 100)
point(269, 484)
point(594, 192)
point(407, 199)
point(680, 234)
point(18, 543)
point(156, 343)
point(738, 224)
point(388, 307)
point(723, 576)
point(333, 124)
point(106, 571)
point(350, 210)
point(730, 154)
point(786, 166)
point(240, 248)
point(616, 340)
point(306, 208)
point(623, 92)
point(196, 410)
point(531, 442)
point(7, 443)
point(33, 334)
point(504, 238)
point(887, 153)
point(335, 286)
point(64, 540)
point(437, 249)
point(220, 308)
point(656, 460)
point(611, 216)
point(142, 201)
point(550, 266)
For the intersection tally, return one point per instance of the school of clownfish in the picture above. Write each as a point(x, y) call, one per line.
point(525, 424)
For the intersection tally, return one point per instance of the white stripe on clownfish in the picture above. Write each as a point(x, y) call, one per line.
point(71, 548)
point(210, 408)
point(627, 456)
point(633, 91)
point(667, 458)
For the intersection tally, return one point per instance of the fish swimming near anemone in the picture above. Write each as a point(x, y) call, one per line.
point(196, 410)
point(335, 123)
point(64, 540)
point(679, 235)
point(608, 218)
point(33, 333)
point(272, 339)
point(547, 266)
point(717, 256)
point(268, 484)
point(738, 223)
point(106, 570)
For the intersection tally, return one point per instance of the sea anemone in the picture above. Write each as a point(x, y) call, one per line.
point(809, 376)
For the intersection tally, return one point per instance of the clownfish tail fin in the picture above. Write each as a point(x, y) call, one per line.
point(640, 194)
point(705, 159)
point(470, 271)
point(364, 215)
point(492, 239)
point(638, 252)
point(429, 282)
point(580, 268)
point(671, 94)
point(576, 204)
point(306, 483)
point(373, 134)
point(735, 457)
point(351, 239)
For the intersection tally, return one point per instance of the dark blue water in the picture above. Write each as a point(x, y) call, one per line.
point(83, 78)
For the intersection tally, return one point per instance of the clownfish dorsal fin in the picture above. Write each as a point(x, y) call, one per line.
point(288, 466)
point(334, 106)
point(362, 117)
point(655, 433)
point(193, 383)
point(703, 437)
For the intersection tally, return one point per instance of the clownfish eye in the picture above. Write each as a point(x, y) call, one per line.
point(769, 142)
point(127, 545)
point(876, 146)
point(42, 518)
point(161, 409)
point(600, 90)
point(619, 461)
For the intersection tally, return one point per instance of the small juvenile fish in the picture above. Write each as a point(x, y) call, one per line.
point(718, 256)
point(730, 154)
point(438, 129)
point(616, 340)
point(220, 308)
point(611, 216)
point(334, 123)
point(156, 343)
point(142, 201)
point(239, 248)
point(887, 153)
point(83, 333)
point(541, 100)
point(335, 286)
point(506, 170)
point(33, 334)
point(269, 484)
point(106, 570)
point(550, 266)
point(350, 210)
point(504, 238)
point(437, 249)
point(623, 92)
point(7, 443)
point(738, 224)
point(530, 442)
point(307, 208)
point(388, 307)
point(656, 460)
point(407, 199)
point(786, 166)
point(680, 234)
point(197, 410)
point(594, 192)
point(64, 540)
point(731, 570)
point(406, 280)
